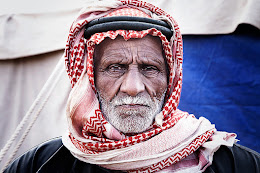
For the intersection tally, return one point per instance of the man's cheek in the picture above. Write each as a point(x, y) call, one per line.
point(108, 86)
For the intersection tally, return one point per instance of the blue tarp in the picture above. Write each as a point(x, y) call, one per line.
point(221, 81)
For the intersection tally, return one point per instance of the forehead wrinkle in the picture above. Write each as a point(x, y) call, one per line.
point(153, 58)
point(114, 60)
point(125, 52)
point(128, 52)
point(150, 49)
point(121, 48)
point(143, 52)
point(117, 55)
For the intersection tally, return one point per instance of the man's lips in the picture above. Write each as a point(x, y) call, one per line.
point(132, 106)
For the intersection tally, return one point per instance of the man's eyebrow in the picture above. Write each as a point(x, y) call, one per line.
point(152, 59)
point(152, 56)
point(113, 56)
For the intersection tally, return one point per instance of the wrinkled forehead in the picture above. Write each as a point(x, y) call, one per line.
point(148, 43)
point(148, 33)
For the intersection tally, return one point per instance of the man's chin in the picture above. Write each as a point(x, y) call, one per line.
point(131, 124)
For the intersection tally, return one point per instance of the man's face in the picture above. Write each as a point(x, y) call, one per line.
point(131, 80)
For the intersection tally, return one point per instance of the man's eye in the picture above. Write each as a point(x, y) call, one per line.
point(116, 69)
point(149, 70)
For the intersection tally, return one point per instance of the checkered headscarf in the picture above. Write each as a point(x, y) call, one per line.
point(83, 109)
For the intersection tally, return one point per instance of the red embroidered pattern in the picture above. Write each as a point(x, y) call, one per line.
point(104, 144)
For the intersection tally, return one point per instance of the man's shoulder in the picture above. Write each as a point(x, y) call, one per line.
point(51, 156)
point(235, 159)
point(32, 160)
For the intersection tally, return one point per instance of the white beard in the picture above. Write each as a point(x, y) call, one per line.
point(132, 120)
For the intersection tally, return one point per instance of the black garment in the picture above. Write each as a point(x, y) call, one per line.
point(54, 157)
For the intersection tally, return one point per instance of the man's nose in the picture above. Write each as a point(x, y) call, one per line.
point(132, 84)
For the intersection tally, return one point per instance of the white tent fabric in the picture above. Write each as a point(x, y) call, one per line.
point(33, 110)
point(40, 28)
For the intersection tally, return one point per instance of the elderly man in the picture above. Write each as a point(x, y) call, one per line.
point(124, 60)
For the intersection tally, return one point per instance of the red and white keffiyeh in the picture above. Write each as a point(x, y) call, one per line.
point(176, 141)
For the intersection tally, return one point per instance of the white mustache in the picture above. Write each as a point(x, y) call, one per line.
point(128, 100)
